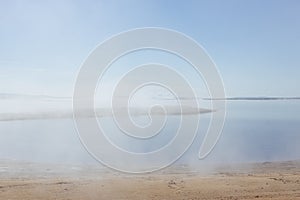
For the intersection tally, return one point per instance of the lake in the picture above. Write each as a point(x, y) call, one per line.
point(253, 131)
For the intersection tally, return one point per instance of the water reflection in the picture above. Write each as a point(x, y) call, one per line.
point(254, 131)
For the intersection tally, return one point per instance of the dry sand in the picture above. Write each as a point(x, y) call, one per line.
point(24, 181)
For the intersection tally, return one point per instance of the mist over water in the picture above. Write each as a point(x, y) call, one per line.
point(254, 131)
point(259, 131)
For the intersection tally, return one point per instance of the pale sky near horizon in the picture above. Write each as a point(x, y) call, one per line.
point(255, 44)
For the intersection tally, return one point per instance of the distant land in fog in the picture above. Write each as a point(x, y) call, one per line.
point(42, 96)
point(254, 98)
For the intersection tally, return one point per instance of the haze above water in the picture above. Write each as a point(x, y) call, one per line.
point(254, 131)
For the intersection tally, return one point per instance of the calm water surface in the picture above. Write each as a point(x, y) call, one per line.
point(254, 131)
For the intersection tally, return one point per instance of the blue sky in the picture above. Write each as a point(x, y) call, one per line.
point(255, 44)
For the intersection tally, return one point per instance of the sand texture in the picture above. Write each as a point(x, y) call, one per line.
point(25, 181)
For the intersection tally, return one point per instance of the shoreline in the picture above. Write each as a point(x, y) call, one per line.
point(268, 180)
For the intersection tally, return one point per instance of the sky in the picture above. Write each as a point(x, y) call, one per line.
point(255, 44)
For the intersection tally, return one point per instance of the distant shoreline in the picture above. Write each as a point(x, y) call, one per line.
point(253, 98)
point(47, 97)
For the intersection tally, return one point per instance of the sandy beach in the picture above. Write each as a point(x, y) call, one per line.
point(276, 180)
